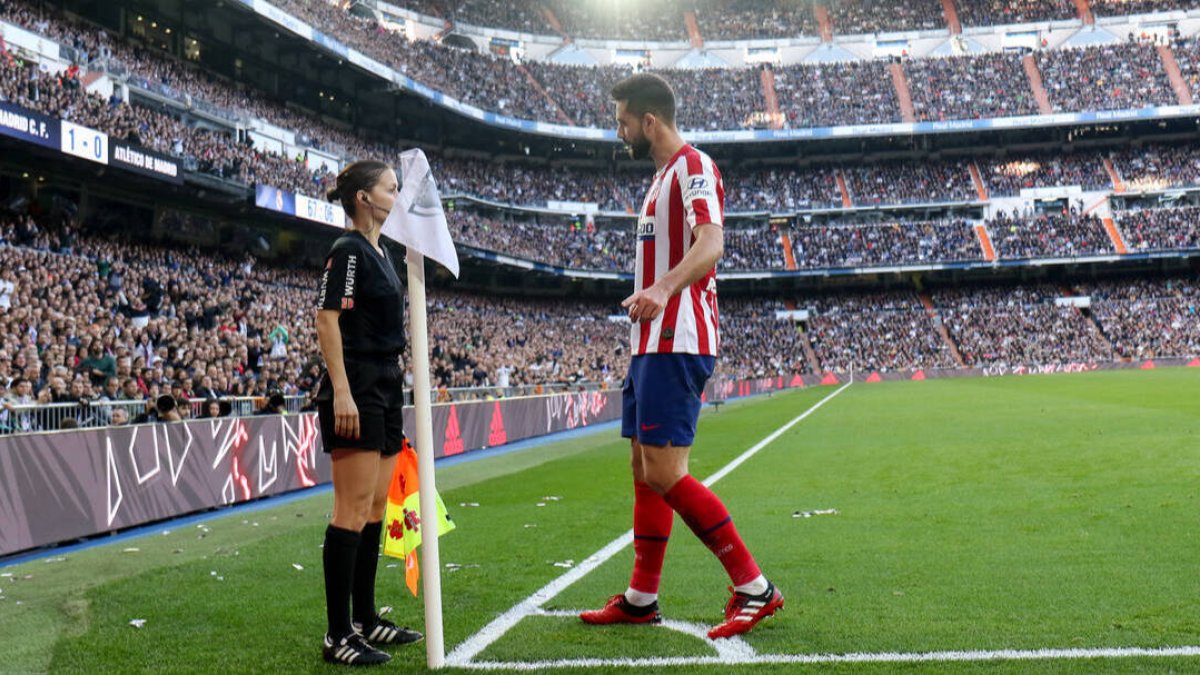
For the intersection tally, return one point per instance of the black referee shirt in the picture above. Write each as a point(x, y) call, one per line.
point(364, 284)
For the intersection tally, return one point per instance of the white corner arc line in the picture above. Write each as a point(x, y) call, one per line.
point(729, 649)
point(468, 649)
point(807, 659)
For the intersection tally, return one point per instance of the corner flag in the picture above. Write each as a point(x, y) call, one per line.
point(402, 520)
point(417, 219)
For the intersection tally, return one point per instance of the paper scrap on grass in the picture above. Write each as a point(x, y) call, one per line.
point(818, 512)
point(298, 566)
point(417, 219)
point(137, 623)
point(565, 563)
point(468, 504)
point(131, 549)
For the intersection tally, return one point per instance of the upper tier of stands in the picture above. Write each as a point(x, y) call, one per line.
point(667, 20)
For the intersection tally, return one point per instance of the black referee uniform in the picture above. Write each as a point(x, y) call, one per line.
point(363, 283)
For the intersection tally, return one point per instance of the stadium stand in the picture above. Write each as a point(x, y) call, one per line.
point(1004, 12)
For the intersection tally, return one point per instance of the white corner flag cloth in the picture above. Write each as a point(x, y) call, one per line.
point(417, 219)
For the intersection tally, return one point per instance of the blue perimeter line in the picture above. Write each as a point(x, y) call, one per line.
point(273, 501)
point(289, 497)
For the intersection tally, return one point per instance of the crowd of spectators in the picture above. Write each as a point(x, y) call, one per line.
point(1187, 57)
point(1127, 7)
point(752, 248)
point(1148, 319)
point(1019, 326)
point(895, 243)
point(523, 17)
point(552, 240)
point(1003, 12)
point(756, 344)
point(833, 94)
point(1048, 235)
point(1008, 176)
point(1157, 167)
point(910, 182)
point(827, 94)
point(1106, 77)
point(1160, 229)
point(660, 21)
point(752, 19)
point(86, 317)
point(969, 87)
point(883, 331)
point(853, 17)
point(781, 190)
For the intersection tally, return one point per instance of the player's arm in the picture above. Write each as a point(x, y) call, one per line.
point(332, 298)
point(647, 304)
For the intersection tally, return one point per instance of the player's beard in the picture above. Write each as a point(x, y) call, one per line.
point(639, 149)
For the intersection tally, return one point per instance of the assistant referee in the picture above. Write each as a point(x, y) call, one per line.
point(360, 326)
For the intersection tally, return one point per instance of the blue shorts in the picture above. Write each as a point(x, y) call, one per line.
point(660, 399)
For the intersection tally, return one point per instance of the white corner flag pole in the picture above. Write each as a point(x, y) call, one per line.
point(418, 221)
point(431, 568)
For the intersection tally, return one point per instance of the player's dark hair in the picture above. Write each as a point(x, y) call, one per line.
point(646, 93)
point(361, 175)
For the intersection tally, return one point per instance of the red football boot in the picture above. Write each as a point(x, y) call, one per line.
point(743, 612)
point(619, 610)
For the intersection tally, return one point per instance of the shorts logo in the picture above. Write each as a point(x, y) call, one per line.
point(650, 427)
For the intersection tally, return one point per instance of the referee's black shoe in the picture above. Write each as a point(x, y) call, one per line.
point(384, 632)
point(353, 650)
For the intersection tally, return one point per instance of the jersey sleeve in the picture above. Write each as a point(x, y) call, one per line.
point(339, 283)
point(703, 196)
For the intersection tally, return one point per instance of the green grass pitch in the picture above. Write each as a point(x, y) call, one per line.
point(976, 514)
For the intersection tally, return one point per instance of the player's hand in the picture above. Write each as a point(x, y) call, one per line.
point(645, 305)
point(345, 417)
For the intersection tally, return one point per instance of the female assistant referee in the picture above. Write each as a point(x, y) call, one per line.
point(360, 325)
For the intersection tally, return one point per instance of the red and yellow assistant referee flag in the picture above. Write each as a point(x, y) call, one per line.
point(402, 520)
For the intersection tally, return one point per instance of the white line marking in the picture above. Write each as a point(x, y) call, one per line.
point(887, 657)
point(472, 646)
point(729, 649)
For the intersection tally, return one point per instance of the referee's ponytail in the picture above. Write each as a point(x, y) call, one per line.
point(361, 175)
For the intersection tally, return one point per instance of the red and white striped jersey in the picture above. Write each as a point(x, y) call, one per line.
point(686, 193)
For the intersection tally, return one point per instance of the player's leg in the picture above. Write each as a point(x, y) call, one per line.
point(652, 520)
point(354, 472)
point(367, 621)
point(668, 430)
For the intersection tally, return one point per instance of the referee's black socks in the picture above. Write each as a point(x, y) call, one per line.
point(365, 567)
point(341, 549)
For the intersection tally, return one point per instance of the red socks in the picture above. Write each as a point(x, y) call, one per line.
point(709, 519)
point(652, 519)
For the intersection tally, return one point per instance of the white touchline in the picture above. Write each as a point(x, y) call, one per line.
point(472, 646)
point(802, 659)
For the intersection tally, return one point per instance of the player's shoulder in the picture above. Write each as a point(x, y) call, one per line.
point(694, 162)
point(349, 242)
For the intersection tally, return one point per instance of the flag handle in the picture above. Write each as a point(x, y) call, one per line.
point(431, 568)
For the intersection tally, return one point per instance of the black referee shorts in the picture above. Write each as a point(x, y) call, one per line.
point(378, 390)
